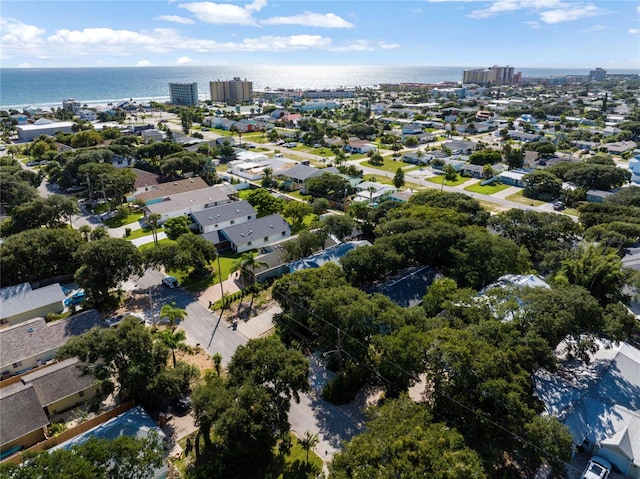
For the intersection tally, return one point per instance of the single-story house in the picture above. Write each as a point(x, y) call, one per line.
point(417, 157)
point(619, 147)
point(23, 419)
point(372, 192)
point(327, 255)
point(32, 343)
point(61, 386)
point(20, 303)
point(152, 135)
point(222, 216)
point(461, 147)
point(257, 233)
point(407, 287)
point(599, 402)
point(524, 136)
point(250, 165)
point(133, 423)
point(411, 129)
point(634, 167)
point(217, 122)
point(610, 131)
point(156, 193)
point(598, 196)
point(512, 178)
point(359, 146)
point(183, 204)
point(295, 175)
point(401, 196)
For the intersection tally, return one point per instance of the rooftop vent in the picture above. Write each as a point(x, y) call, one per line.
point(270, 226)
point(237, 211)
point(210, 218)
point(30, 330)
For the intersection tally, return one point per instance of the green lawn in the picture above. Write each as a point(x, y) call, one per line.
point(387, 165)
point(151, 245)
point(139, 233)
point(379, 178)
point(293, 466)
point(438, 180)
point(487, 189)
point(132, 218)
point(519, 198)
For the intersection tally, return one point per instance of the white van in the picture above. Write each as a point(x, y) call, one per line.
point(278, 155)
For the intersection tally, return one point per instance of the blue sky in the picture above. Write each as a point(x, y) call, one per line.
point(523, 33)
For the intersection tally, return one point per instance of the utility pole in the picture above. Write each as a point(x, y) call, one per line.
point(339, 352)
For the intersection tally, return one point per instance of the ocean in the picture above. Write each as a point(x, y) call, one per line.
point(47, 87)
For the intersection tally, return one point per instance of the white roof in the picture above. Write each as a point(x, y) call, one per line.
point(46, 126)
point(516, 175)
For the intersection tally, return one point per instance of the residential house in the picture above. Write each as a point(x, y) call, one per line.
point(183, 204)
point(250, 165)
point(461, 147)
point(524, 136)
point(619, 147)
point(152, 135)
point(217, 122)
point(372, 192)
point(48, 127)
point(32, 343)
point(88, 115)
point(513, 178)
point(133, 423)
point(23, 419)
point(331, 254)
point(483, 115)
point(20, 303)
point(257, 233)
point(295, 176)
point(610, 131)
point(598, 196)
point(220, 217)
point(158, 192)
point(407, 287)
point(472, 171)
point(401, 196)
point(417, 157)
point(61, 386)
point(119, 161)
point(359, 146)
point(598, 401)
point(411, 129)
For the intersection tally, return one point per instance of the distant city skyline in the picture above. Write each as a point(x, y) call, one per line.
point(520, 33)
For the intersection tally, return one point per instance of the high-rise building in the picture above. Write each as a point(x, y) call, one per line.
point(494, 75)
point(236, 90)
point(183, 94)
point(599, 74)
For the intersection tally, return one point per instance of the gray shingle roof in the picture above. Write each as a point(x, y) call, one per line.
point(25, 340)
point(259, 228)
point(222, 213)
point(21, 298)
point(299, 172)
point(21, 412)
point(213, 194)
point(58, 381)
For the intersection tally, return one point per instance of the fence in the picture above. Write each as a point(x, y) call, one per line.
point(73, 432)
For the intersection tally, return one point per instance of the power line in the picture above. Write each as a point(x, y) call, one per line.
point(409, 374)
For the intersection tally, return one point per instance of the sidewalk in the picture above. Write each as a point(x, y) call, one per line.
point(148, 239)
point(214, 293)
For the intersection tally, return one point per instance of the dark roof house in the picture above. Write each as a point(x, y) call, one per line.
point(23, 418)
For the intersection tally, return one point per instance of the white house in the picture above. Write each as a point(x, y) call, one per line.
point(223, 216)
point(372, 192)
point(30, 132)
point(634, 166)
point(257, 233)
point(189, 202)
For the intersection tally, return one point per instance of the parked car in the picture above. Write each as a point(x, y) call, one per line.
point(183, 404)
point(170, 282)
point(559, 206)
point(597, 468)
point(115, 320)
point(76, 298)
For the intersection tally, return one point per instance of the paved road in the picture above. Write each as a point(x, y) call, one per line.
point(201, 325)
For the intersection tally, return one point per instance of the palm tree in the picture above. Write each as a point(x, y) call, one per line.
point(248, 263)
point(153, 220)
point(371, 190)
point(173, 314)
point(308, 442)
point(174, 340)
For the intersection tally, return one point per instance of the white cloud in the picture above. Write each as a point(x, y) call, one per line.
point(638, 8)
point(364, 45)
point(533, 24)
point(309, 19)
point(633, 31)
point(568, 14)
point(175, 19)
point(550, 11)
point(16, 32)
point(143, 63)
point(183, 61)
point(224, 13)
point(24, 65)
